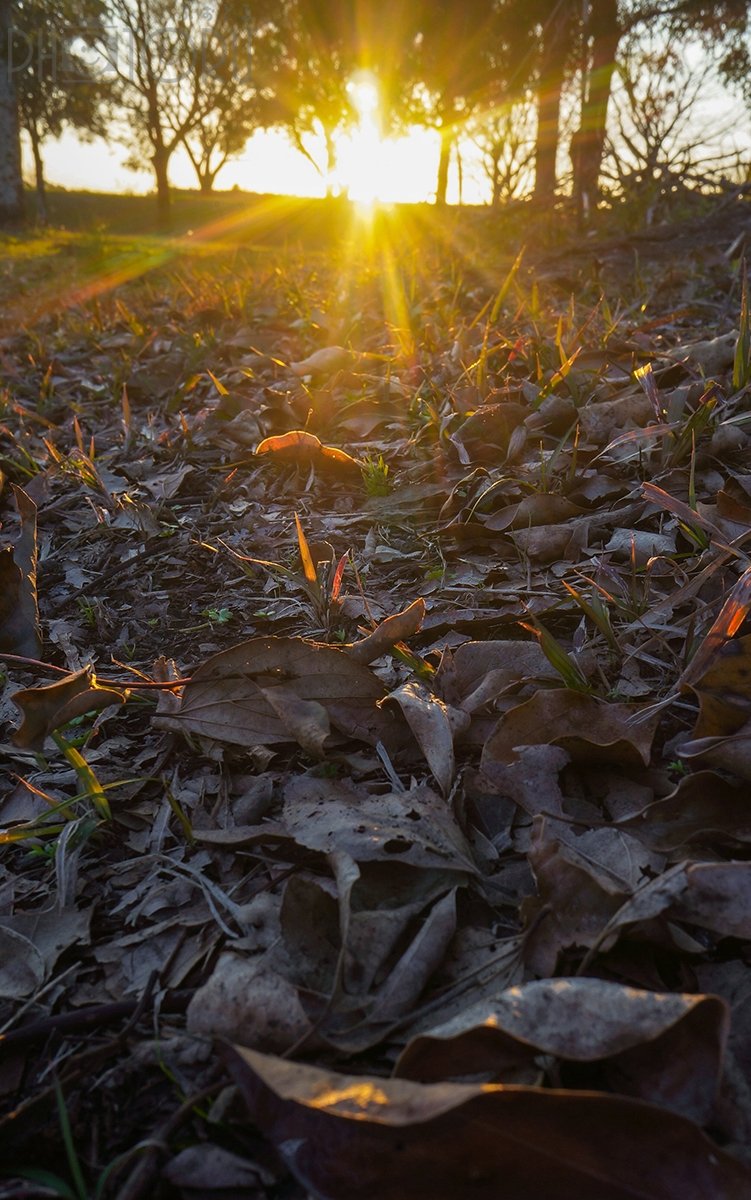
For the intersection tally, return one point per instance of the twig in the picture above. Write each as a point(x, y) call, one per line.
point(140, 1182)
point(93, 1016)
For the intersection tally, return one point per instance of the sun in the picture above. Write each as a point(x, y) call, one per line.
point(371, 168)
point(362, 168)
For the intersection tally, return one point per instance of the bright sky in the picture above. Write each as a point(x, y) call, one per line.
point(402, 169)
point(369, 167)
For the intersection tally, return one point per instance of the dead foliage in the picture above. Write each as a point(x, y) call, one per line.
point(377, 702)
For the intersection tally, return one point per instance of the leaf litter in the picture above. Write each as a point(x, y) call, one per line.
point(377, 728)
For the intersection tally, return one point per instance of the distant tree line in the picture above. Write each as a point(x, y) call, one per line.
point(203, 75)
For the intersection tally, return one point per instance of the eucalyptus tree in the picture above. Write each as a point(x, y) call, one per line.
point(324, 46)
point(164, 59)
point(56, 83)
point(451, 66)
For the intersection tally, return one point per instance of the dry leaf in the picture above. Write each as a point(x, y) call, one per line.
point(586, 728)
point(346, 1135)
point(323, 362)
point(301, 447)
point(662, 1047)
point(45, 709)
point(227, 698)
point(416, 828)
point(19, 615)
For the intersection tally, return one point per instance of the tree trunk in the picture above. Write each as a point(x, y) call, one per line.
point(11, 181)
point(41, 190)
point(447, 138)
point(546, 147)
point(555, 51)
point(160, 163)
point(328, 135)
point(589, 140)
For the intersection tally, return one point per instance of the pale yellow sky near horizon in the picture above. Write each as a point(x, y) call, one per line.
point(400, 169)
point(395, 169)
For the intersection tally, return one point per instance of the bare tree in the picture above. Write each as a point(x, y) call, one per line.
point(162, 55)
point(55, 86)
point(653, 152)
point(505, 137)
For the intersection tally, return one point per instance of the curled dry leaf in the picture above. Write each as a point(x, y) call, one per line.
point(45, 709)
point(299, 446)
point(324, 361)
point(228, 697)
point(19, 615)
point(393, 629)
point(346, 1135)
point(661, 1047)
point(434, 725)
point(704, 808)
point(582, 725)
point(731, 753)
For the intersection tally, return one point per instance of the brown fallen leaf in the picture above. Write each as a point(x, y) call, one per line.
point(346, 1135)
point(704, 808)
point(228, 697)
point(485, 435)
point(542, 508)
point(711, 356)
point(398, 628)
point(434, 726)
point(19, 614)
point(299, 446)
point(476, 673)
point(722, 680)
point(244, 998)
point(587, 728)
point(572, 908)
point(731, 753)
point(47, 708)
point(323, 362)
point(416, 828)
point(22, 968)
point(661, 1047)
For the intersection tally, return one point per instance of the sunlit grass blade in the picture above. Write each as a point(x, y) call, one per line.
point(556, 655)
point(505, 287)
point(742, 357)
point(727, 623)
point(336, 581)
point(597, 612)
point(86, 776)
point(308, 566)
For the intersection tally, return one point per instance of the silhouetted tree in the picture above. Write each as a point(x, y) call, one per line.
point(55, 86)
point(453, 61)
point(164, 57)
point(11, 182)
point(326, 45)
point(505, 137)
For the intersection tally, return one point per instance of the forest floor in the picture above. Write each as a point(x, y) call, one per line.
point(376, 709)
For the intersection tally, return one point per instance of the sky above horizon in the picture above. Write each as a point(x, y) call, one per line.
point(403, 169)
point(399, 169)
